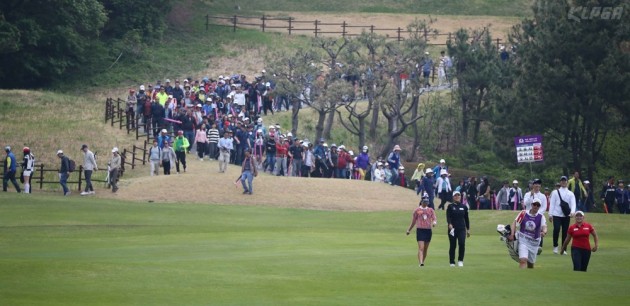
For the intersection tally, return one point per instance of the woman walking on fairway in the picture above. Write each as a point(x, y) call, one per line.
point(581, 247)
point(424, 218)
point(458, 228)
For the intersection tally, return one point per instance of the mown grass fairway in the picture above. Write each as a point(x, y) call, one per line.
point(78, 251)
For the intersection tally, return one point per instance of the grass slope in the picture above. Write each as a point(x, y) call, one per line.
point(448, 7)
point(100, 252)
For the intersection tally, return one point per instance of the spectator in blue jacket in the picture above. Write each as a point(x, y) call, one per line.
point(10, 167)
point(428, 186)
point(621, 194)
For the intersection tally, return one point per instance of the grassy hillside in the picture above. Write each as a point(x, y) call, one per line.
point(436, 7)
point(81, 251)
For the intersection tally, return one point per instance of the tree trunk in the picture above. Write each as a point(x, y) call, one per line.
point(319, 128)
point(478, 115)
point(329, 122)
point(375, 113)
point(465, 120)
point(416, 133)
point(294, 116)
point(361, 131)
point(388, 147)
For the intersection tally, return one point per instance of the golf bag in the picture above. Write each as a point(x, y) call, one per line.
point(108, 183)
point(505, 231)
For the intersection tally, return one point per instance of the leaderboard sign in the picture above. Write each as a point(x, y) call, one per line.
point(529, 149)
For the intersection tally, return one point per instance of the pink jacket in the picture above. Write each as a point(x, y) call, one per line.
point(200, 136)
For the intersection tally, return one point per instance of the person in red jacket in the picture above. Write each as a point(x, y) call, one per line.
point(581, 246)
point(282, 151)
point(342, 163)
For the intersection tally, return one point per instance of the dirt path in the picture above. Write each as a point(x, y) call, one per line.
point(499, 26)
point(203, 184)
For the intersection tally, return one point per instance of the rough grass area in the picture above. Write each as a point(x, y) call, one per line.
point(441, 7)
point(78, 251)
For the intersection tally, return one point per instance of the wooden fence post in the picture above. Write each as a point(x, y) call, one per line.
point(80, 176)
point(398, 31)
point(106, 108)
point(263, 23)
point(41, 176)
point(498, 43)
point(372, 29)
point(426, 37)
point(234, 26)
point(316, 30)
point(120, 116)
point(133, 157)
point(144, 153)
point(343, 29)
point(290, 26)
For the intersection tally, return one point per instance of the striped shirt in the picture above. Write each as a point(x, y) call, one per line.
point(213, 135)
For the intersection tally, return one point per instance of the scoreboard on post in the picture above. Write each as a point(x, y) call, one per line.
point(529, 149)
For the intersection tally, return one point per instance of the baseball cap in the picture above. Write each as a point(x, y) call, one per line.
point(59, 152)
point(442, 161)
point(456, 193)
point(536, 201)
point(514, 182)
point(579, 212)
point(537, 181)
point(563, 178)
point(586, 182)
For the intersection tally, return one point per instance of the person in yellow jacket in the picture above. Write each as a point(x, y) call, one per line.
point(576, 186)
point(180, 145)
point(417, 177)
point(161, 96)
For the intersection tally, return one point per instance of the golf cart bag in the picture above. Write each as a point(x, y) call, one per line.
point(512, 246)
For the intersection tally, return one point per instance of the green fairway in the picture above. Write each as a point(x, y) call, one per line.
point(87, 251)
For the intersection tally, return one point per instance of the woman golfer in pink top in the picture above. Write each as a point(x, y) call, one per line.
point(424, 218)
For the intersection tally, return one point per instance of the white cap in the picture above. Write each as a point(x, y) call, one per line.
point(579, 212)
point(586, 182)
point(350, 152)
point(59, 152)
point(325, 144)
point(365, 148)
point(429, 170)
point(514, 182)
point(115, 149)
point(259, 120)
point(443, 172)
point(379, 164)
point(401, 167)
point(442, 161)
point(141, 87)
point(289, 134)
point(164, 131)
